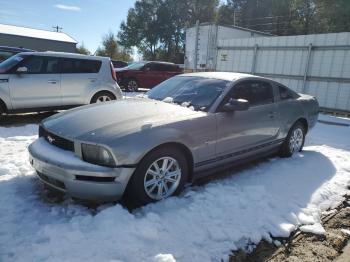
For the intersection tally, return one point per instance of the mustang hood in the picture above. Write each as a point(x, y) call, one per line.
point(115, 119)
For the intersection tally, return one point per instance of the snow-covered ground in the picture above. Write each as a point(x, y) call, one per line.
point(273, 197)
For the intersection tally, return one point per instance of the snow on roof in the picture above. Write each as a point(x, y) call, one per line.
point(35, 33)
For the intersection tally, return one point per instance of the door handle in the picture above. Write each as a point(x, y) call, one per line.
point(52, 81)
point(92, 79)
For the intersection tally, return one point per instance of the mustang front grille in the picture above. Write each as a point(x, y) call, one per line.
point(55, 140)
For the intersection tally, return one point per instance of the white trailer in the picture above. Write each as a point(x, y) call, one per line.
point(318, 64)
point(201, 43)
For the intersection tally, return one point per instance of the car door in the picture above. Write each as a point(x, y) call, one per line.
point(37, 85)
point(78, 78)
point(242, 131)
point(153, 75)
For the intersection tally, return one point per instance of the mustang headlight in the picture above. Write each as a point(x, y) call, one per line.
point(97, 155)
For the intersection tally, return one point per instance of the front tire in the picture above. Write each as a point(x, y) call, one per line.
point(294, 141)
point(161, 174)
point(102, 97)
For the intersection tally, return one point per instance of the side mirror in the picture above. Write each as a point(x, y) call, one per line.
point(236, 105)
point(21, 70)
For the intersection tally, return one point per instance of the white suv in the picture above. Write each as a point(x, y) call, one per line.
point(41, 81)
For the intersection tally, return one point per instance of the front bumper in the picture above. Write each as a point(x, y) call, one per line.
point(67, 173)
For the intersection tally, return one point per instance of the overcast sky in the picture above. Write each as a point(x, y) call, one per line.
point(84, 20)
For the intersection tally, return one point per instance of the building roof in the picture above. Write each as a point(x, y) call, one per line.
point(35, 33)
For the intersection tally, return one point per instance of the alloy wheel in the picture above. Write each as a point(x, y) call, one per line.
point(162, 178)
point(132, 86)
point(296, 140)
point(104, 98)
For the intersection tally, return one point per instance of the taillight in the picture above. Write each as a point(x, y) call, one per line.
point(114, 76)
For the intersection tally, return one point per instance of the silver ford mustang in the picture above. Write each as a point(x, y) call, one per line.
point(148, 147)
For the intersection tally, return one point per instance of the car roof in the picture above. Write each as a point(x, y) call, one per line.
point(159, 62)
point(228, 76)
point(66, 55)
point(118, 61)
point(16, 49)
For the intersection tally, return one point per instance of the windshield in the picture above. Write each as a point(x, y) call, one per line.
point(136, 65)
point(10, 62)
point(197, 93)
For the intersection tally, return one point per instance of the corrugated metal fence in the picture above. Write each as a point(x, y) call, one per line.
point(318, 65)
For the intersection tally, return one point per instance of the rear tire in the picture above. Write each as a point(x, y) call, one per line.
point(149, 185)
point(294, 141)
point(131, 85)
point(102, 97)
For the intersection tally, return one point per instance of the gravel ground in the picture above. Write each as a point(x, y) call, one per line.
point(306, 247)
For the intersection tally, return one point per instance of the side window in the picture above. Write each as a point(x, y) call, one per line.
point(255, 92)
point(67, 66)
point(170, 68)
point(34, 64)
point(87, 66)
point(51, 65)
point(5, 54)
point(285, 93)
point(156, 67)
point(76, 66)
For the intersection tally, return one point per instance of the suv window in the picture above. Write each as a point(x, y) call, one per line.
point(255, 92)
point(34, 64)
point(286, 93)
point(5, 54)
point(76, 66)
point(51, 65)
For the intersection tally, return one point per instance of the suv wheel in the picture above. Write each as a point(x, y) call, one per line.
point(294, 141)
point(161, 174)
point(132, 85)
point(102, 97)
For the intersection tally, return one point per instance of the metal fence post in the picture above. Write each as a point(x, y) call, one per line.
point(196, 46)
point(254, 58)
point(215, 54)
point(307, 67)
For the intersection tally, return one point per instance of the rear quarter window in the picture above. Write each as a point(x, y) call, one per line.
point(286, 94)
point(80, 66)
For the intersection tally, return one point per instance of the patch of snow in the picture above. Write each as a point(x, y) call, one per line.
point(203, 224)
point(277, 243)
point(186, 104)
point(168, 99)
point(316, 228)
point(305, 219)
point(345, 231)
point(164, 258)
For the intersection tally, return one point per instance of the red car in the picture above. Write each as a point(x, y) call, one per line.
point(145, 74)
